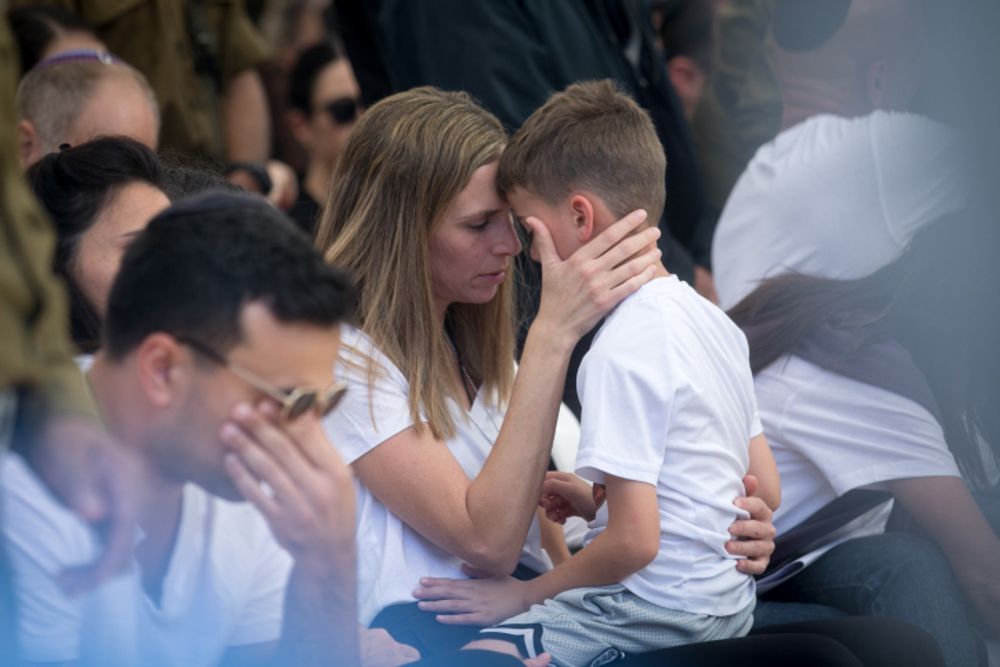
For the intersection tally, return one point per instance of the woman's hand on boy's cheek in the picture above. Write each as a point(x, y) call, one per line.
point(753, 538)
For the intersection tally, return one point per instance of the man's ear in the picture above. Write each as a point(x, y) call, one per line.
point(688, 80)
point(160, 369)
point(582, 211)
point(29, 144)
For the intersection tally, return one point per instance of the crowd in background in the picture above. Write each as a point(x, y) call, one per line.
point(210, 206)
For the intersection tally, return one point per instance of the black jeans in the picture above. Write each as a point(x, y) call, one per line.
point(840, 642)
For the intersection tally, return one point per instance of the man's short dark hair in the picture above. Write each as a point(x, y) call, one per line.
point(191, 272)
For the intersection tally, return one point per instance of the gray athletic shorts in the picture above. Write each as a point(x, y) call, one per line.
point(598, 626)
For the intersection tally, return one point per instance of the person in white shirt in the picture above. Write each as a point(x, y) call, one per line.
point(208, 332)
point(448, 448)
point(855, 171)
point(669, 423)
point(888, 383)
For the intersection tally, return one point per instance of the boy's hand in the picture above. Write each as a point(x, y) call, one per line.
point(753, 538)
point(565, 495)
point(473, 601)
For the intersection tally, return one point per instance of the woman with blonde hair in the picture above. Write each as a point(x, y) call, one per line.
point(448, 446)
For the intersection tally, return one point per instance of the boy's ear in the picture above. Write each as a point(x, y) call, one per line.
point(582, 211)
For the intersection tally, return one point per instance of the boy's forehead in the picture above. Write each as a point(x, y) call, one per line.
point(524, 203)
point(521, 201)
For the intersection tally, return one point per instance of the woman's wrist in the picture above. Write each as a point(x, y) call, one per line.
point(550, 338)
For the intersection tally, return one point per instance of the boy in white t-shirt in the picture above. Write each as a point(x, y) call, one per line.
point(670, 426)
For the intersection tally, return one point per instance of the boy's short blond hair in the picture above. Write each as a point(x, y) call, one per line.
point(591, 136)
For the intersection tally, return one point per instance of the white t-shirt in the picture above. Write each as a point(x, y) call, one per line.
point(392, 557)
point(667, 399)
point(224, 585)
point(831, 434)
point(835, 198)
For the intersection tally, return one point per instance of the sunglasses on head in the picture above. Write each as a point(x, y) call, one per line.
point(342, 110)
point(294, 402)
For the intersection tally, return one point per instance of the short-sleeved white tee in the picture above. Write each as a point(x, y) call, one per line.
point(830, 434)
point(667, 399)
point(224, 585)
point(837, 198)
point(392, 557)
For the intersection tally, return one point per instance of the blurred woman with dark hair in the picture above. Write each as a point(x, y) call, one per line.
point(99, 195)
point(324, 102)
point(888, 383)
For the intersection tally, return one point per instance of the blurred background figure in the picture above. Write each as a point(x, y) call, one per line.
point(741, 106)
point(200, 59)
point(43, 31)
point(75, 97)
point(685, 30)
point(45, 410)
point(323, 103)
point(886, 385)
point(289, 27)
point(99, 195)
point(857, 168)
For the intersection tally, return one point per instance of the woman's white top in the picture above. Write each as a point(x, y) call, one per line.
point(392, 557)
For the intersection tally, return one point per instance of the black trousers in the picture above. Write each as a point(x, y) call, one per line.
point(841, 642)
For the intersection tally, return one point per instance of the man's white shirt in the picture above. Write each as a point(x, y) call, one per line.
point(224, 584)
point(836, 198)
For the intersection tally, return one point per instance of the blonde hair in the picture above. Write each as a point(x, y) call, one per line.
point(591, 135)
point(406, 160)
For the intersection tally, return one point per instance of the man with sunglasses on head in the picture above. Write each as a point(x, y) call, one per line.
point(322, 107)
point(221, 336)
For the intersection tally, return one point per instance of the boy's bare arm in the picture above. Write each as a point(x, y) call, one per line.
point(763, 467)
point(629, 543)
point(553, 538)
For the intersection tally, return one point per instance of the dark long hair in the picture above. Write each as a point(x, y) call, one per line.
point(938, 301)
point(74, 186)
